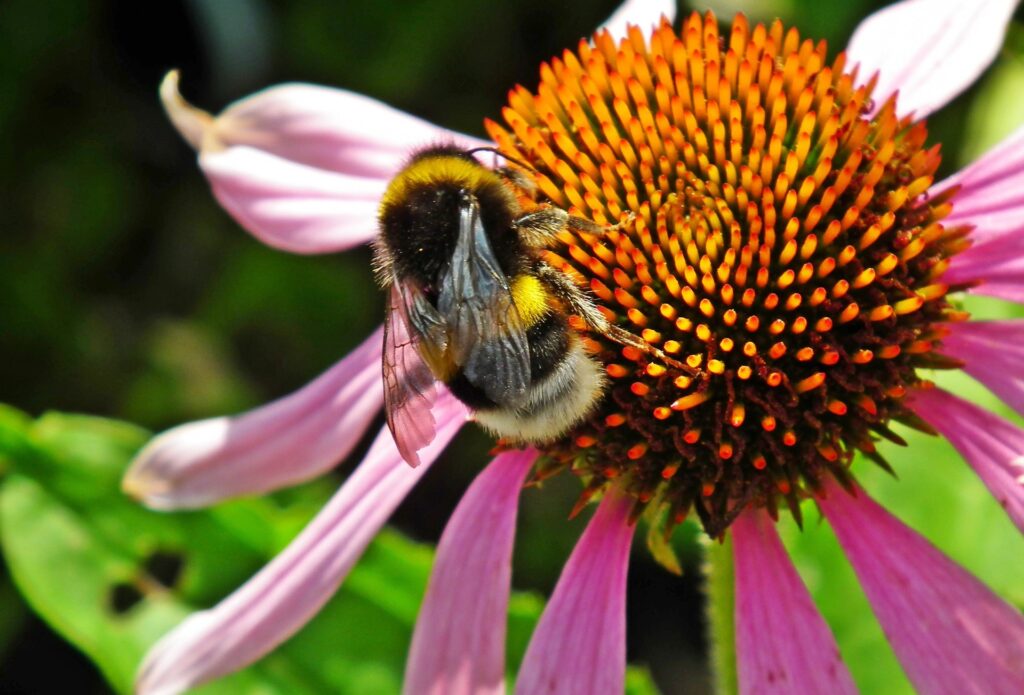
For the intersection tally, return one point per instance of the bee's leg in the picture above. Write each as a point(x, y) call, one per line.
point(538, 229)
point(562, 286)
point(582, 224)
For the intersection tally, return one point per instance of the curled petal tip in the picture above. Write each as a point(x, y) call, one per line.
point(141, 485)
point(192, 123)
point(132, 486)
point(151, 479)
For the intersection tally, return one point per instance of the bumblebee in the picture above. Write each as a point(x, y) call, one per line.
point(473, 305)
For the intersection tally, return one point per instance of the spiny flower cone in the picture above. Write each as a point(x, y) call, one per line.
point(776, 237)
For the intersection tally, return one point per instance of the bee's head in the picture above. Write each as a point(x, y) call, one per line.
point(420, 213)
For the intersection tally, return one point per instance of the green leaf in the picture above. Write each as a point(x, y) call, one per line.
point(87, 559)
point(640, 682)
point(137, 573)
point(62, 515)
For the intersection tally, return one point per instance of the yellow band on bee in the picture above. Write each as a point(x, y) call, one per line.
point(530, 297)
point(430, 171)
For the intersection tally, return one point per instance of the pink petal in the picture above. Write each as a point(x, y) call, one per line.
point(993, 446)
point(282, 443)
point(289, 591)
point(290, 206)
point(330, 129)
point(993, 353)
point(929, 50)
point(991, 201)
point(949, 631)
point(643, 13)
point(991, 195)
point(459, 643)
point(782, 643)
point(302, 167)
point(579, 645)
point(997, 265)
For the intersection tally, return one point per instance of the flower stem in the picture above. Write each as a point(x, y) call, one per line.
point(719, 584)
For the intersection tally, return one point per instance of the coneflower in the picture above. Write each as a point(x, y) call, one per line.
point(781, 233)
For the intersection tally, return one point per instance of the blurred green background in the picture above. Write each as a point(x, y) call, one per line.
point(128, 294)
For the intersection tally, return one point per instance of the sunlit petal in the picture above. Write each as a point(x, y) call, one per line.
point(949, 631)
point(458, 647)
point(289, 591)
point(579, 645)
point(991, 195)
point(282, 443)
point(992, 353)
point(929, 50)
point(782, 643)
point(301, 166)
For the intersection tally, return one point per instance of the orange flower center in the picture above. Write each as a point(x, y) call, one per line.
point(782, 242)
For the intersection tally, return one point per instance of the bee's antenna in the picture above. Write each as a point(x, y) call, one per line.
point(495, 150)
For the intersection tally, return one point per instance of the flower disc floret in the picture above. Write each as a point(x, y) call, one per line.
point(776, 236)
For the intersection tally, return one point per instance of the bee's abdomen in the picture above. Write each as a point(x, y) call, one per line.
point(549, 342)
point(468, 392)
point(551, 405)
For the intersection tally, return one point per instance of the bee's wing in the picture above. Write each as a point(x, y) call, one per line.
point(409, 390)
point(487, 337)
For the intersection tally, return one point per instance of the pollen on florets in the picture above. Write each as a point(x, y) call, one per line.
point(782, 243)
